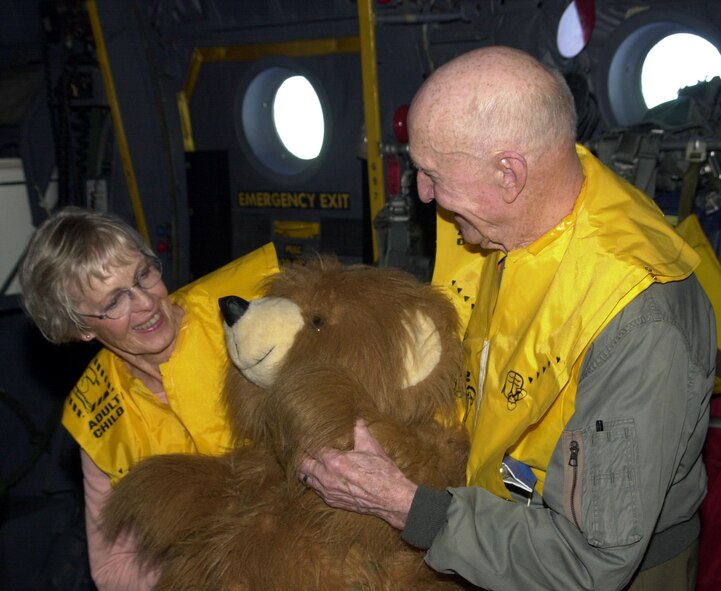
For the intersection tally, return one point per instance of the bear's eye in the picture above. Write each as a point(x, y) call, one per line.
point(317, 322)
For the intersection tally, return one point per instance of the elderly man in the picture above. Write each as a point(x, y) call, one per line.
point(589, 345)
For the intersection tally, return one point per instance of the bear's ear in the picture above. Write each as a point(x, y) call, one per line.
point(423, 348)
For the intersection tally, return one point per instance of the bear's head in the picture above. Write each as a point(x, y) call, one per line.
point(329, 343)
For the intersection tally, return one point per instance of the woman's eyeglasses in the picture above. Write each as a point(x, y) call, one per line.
point(119, 307)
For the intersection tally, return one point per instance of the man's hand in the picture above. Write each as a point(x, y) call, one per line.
point(364, 480)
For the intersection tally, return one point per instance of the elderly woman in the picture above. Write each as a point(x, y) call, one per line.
point(154, 386)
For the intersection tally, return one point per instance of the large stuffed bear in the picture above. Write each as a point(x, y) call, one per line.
point(328, 344)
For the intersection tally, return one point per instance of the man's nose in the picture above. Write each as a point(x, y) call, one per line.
point(425, 187)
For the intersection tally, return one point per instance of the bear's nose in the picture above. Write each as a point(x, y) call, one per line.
point(232, 308)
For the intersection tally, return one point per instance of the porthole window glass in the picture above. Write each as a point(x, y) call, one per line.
point(298, 117)
point(649, 58)
point(677, 61)
point(280, 114)
point(576, 27)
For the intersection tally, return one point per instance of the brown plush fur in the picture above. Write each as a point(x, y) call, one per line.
point(243, 521)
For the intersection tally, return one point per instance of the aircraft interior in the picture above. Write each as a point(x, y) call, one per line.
point(214, 127)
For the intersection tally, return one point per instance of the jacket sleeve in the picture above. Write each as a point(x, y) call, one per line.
point(639, 424)
point(114, 566)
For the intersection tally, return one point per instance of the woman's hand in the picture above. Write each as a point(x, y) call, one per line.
point(364, 480)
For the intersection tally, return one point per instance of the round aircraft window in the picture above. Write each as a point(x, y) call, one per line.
point(280, 117)
point(298, 117)
point(641, 74)
point(575, 27)
point(677, 61)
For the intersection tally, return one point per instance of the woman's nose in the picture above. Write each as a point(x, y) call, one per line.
point(139, 298)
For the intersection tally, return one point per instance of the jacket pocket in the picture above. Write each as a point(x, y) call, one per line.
point(601, 482)
point(573, 461)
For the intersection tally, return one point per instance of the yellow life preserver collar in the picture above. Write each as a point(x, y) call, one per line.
point(526, 337)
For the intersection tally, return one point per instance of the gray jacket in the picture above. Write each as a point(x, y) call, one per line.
point(626, 478)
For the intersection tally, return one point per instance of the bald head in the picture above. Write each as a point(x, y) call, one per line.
point(490, 100)
point(492, 134)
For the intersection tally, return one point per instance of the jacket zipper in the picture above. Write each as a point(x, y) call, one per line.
point(573, 462)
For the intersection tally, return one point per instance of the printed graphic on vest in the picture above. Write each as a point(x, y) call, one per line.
point(95, 400)
point(542, 371)
point(513, 389)
point(470, 396)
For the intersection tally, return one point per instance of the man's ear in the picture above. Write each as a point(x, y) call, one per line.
point(512, 172)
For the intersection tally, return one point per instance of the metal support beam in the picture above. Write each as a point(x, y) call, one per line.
point(376, 186)
point(245, 53)
point(117, 118)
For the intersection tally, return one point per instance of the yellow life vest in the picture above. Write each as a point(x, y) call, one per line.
point(525, 339)
point(708, 274)
point(117, 420)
